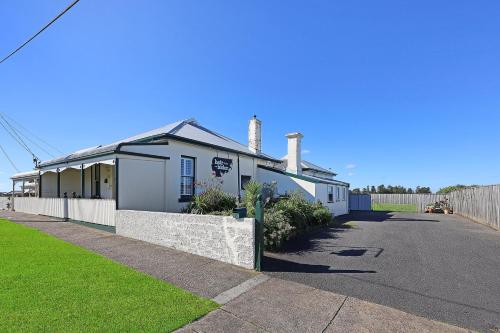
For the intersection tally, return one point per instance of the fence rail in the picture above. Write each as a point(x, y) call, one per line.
point(481, 204)
point(40, 206)
point(97, 211)
point(419, 200)
point(3, 202)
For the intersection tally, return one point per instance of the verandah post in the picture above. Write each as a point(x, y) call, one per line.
point(259, 233)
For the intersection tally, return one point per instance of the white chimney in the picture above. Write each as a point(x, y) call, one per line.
point(294, 157)
point(254, 135)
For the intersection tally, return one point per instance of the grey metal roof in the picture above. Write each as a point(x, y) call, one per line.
point(27, 174)
point(187, 129)
point(309, 178)
point(315, 167)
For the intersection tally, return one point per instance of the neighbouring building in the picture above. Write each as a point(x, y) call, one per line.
point(160, 170)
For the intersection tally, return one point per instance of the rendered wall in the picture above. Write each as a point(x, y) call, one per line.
point(107, 181)
point(49, 185)
point(221, 238)
point(203, 168)
point(71, 181)
point(142, 184)
point(337, 207)
point(287, 184)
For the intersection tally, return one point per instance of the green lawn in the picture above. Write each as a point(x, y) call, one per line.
point(394, 207)
point(48, 285)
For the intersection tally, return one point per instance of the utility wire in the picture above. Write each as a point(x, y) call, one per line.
point(19, 126)
point(16, 138)
point(23, 144)
point(20, 135)
point(8, 158)
point(40, 31)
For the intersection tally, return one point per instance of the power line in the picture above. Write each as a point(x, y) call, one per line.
point(19, 126)
point(20, 135)
point(16, 137)
point(8, 158)
point(40, 31)
point(19, 140)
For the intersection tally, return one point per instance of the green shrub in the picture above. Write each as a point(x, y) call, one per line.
point(212, 201)
point(321, 214)
point(298, 210)
point(277, 228)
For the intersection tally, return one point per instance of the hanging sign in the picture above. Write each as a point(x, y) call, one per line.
point(221, 166)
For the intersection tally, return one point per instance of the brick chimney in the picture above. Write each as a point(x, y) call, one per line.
point(255, 135)
point(294, 157)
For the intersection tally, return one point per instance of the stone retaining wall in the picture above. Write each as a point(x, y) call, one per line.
point(221, 238)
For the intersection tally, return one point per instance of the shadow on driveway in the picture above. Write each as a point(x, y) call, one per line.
point(379, 216)
point(271, 264)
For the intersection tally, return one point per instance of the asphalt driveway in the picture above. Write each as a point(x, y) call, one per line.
point(440, 267)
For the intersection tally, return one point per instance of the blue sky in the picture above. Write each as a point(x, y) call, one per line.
point(394, 92)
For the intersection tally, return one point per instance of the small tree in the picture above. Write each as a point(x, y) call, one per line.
point(423, 190)
point(252, 191)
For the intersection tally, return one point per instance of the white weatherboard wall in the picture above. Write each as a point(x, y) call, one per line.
point(221, 238)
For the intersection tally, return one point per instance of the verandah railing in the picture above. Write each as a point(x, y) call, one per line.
point(97, 211)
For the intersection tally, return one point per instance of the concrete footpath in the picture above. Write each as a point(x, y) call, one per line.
point(250, 302)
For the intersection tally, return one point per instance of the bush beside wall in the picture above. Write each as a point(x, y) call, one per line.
point(284, 217)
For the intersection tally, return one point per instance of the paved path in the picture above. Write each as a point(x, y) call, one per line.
point(283, 306)
point(436, 266)
point(251, 302)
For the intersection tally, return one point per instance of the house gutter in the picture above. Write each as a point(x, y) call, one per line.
point(116, 150)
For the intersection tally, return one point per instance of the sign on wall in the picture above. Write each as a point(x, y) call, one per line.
point(221, 166)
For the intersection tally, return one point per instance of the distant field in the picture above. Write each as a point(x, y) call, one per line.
point(394, 207)
point(49, 285)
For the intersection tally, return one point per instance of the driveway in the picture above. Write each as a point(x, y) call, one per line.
point(441, 267)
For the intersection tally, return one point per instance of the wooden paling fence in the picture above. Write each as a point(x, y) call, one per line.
point(481, 204)
point(419, 200)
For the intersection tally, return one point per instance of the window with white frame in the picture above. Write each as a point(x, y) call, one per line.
point(187, 176)
point(344, 190)
point(330, 193)
point(338, 192)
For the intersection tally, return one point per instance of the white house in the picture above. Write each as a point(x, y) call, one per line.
point(161, 169)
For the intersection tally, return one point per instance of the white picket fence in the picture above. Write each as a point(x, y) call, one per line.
point(97, 211)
